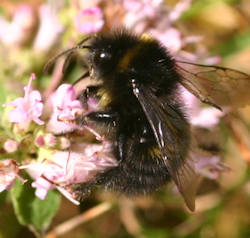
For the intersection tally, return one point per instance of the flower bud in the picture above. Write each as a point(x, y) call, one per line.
point(10, 146)
point(50, 140)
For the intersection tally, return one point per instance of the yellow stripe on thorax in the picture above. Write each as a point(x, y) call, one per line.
point(105, 97)
point(131, 53)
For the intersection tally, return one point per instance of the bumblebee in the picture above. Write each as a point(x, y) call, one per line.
point(143, 113)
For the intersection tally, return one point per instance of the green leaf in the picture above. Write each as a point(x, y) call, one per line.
point(30, 210)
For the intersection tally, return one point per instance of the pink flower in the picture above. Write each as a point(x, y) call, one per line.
point(19, 30)
point(171, 38)
point(144, 8)
point(65, 108)
point(179, 9)
point(139, 13)
point(42, 187)
point(65, 102)
point(28, 108)
point(80, 165)
point(206, 117)
point(49, 30)
point(89, 20)
point(8, 173)
point(10, 146)
point(210, 167)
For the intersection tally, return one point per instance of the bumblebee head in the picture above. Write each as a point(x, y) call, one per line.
point(102, 60)
point(107, 51)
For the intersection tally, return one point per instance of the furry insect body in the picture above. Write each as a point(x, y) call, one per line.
point(124, 63)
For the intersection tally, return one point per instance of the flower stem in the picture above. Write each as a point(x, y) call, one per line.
point(77, 220)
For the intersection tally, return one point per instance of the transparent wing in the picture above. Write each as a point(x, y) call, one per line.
point(217, 86)
point(163, 120)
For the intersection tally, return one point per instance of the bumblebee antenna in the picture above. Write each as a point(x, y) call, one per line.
point(68, 52)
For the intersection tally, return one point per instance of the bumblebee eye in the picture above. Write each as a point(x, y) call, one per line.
point(104, 55)
point(101, 57)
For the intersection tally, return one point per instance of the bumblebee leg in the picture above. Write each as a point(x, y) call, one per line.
point(99, 117)
point(109, 118)
point(103, 117)
point(90, 91)
point(82, 190)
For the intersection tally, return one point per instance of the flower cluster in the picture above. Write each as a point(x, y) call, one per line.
point(60, 161)
point(70, 167)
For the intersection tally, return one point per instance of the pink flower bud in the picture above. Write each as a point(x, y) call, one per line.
point(39, 141)
point(89, 20)
point(10, 146)
point(50, 140)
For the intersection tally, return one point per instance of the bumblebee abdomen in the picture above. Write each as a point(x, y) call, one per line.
point(139, 173)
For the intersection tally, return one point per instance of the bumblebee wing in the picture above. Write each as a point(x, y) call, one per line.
point(217, 86)
point(169, 139)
